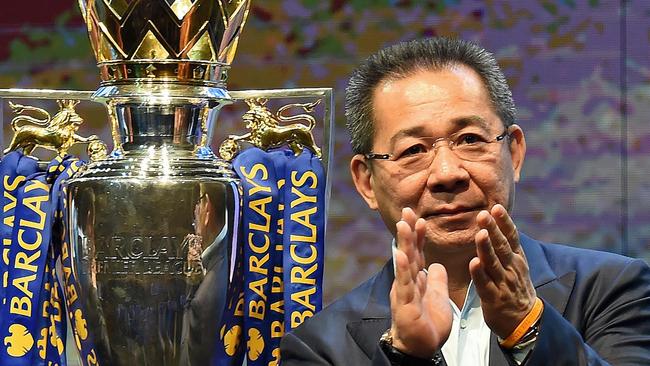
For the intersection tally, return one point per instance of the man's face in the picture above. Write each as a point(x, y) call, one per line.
point(450, 192)
point(201, 215)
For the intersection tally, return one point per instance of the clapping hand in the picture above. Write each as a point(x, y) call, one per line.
point(421, 312)
point(500, 272)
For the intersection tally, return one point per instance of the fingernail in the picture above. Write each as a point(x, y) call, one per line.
point(500, 210)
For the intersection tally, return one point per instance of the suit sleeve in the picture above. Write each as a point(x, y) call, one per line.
point(615, 328)
point(295, 352)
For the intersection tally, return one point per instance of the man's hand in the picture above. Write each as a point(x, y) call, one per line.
point(419, 302)
point(500, 272)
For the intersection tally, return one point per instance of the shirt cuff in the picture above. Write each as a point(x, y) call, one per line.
point(519, 355)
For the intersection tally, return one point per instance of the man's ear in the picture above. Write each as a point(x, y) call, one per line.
point(517, 149)
point(362, 178)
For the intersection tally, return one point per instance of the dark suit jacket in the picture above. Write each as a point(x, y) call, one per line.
point(597, 312)
point(204, 307)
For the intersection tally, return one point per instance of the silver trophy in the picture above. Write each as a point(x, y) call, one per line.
point(152, 224)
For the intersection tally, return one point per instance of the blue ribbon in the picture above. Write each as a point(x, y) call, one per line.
point(54, 309)
point(14, 168)
point(283, 196)
point(33, 325)
point(229, 351)
point(260, 224)
point(304, 224)
point(276, 296)
point(76, 313)
point(228, 347)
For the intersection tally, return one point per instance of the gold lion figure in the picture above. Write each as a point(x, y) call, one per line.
point(266, 131)
point(53, 133)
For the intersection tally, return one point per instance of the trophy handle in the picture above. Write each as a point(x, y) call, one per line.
point(266, 129)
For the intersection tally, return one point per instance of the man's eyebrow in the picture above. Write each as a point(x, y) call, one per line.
point(466, 121)
point(413, 131)
point(458, 123)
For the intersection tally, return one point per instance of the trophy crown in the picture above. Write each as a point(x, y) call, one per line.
point(187, 41)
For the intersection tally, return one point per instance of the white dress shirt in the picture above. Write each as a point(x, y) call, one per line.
point(469, 340)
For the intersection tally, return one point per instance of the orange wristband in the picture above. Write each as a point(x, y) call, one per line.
point(523, 327)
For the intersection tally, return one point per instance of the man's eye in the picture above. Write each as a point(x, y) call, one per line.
point(413, 150)
point(469, 139)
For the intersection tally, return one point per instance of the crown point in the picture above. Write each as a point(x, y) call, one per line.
point(181, 7)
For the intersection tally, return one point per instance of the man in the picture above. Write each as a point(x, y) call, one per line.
point(208, 264)
point(438, 156)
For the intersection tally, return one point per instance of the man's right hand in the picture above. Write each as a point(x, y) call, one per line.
point(419, 302)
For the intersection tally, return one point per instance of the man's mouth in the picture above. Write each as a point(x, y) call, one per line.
point(451, 211)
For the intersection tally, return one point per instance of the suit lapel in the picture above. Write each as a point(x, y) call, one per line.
point(367, 332)
point(375, 318)
point(554, 289)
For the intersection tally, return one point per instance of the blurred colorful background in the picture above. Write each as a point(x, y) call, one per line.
point(579, 71)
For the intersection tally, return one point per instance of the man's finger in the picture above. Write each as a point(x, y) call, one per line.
point(420, 228)
point(409, 216)
point(507, 227)
point(498, 240)
point(406, 242)
point(422, 281)
point(404, 284)
point(482, 281)
point(489, 260)
point(437, 281)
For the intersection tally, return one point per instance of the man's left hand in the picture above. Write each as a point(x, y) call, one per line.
point(500, 272)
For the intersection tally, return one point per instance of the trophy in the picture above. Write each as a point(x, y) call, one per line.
point(152, 226)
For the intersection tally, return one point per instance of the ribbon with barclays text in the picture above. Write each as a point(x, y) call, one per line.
point(82, 337)
point(277, 282)
point(33, 325)
point(304, 233)
point(29, 331)
point(22, 279)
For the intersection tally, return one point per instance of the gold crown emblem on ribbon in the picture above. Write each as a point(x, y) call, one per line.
point(187, 41)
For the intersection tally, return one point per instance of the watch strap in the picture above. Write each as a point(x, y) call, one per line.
point(399, 358)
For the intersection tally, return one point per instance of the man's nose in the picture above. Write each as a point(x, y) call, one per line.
point(446, 171)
